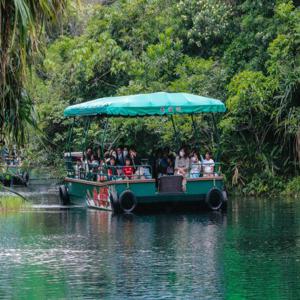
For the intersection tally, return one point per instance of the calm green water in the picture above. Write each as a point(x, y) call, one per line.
point(252, 252)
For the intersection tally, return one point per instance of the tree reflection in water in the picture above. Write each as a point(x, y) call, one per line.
point(252, 252)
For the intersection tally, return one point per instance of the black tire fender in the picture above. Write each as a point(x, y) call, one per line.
point(214, 198)
point(127, 201)
point(64, 195)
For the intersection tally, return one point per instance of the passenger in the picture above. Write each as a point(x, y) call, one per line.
point(86, 164)
point(120, 161)
point(128, 169)
point(195, 166)
point(102, 171)
point(147, 172)
point(164, 160)
point(106, 157)
point(112, 172)
point(120, 157)
point(182, 163)
point(125, 153)
point(113, 153)
point(133, 157)
point(89, 153)
point(208, 165)
point(139, 173)
point(143, 172)
point(94, 160)
point(170, 168)
point(93, 167)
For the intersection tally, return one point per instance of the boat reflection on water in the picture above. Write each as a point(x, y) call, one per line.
point(167, 254)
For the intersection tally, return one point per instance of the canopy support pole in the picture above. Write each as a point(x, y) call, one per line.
point(177, 137)
point(70, 134)
point(104, 137)
point(195, 128)
point(85, 132)
point(217, 137)
point(68, 160)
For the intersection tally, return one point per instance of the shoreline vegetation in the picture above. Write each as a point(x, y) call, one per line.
point(12, 200)
point(11, 203)
point(245, 53)
point(292, 188)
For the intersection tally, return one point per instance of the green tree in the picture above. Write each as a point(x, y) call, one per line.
point(22, 22)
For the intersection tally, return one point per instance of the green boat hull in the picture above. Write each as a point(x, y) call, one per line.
point(145, 192)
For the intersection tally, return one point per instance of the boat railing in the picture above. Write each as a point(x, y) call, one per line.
point(206, 169)
point(96, 172)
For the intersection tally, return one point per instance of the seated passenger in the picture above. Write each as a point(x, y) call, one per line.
point(128, 169)
point(170, 167)
point(125, 153)
point(113, 153)
point(147, 172)
point(120, 157)
point(112, 172)
point(133, 157)
point(102, 176)
point(93, 167)
point(161, 162)
point(195, 166)
point(164, 161)
point(208, 165)
point(94, 161)
point(106, 157)
point(182, 163)
point(142, 172)
point(89, 153)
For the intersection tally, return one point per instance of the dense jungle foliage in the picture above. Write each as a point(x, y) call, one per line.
point(245, 53)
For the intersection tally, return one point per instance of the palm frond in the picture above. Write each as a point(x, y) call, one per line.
point(20, 24)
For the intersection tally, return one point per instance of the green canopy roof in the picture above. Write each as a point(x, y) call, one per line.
point(147, 105)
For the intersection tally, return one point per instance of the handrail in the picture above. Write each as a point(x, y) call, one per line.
point(107, 172)
point(95, 172)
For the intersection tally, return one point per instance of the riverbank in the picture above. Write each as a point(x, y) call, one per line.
point(265, 186)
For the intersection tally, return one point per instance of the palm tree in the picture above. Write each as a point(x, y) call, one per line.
point(22, 23)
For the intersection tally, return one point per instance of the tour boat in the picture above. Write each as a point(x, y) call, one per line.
point(124, 195)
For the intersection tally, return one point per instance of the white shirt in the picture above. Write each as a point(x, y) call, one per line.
point(208, 165)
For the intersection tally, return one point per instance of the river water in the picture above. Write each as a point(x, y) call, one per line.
point(251, 252)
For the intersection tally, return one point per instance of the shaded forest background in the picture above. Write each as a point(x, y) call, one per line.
point(245, 53)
